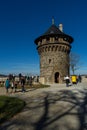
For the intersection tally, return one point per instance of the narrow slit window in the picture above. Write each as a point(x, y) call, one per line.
point(49, 61)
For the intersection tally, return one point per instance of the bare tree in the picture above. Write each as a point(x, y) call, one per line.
point(74, 62)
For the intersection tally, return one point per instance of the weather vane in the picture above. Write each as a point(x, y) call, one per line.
point(52, 20)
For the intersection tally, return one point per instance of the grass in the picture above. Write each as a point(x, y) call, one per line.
point(32, 86)
point(9, 106)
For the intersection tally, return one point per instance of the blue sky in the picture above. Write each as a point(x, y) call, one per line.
point(21, 21)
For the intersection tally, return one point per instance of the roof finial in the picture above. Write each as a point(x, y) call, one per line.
point(52, 20)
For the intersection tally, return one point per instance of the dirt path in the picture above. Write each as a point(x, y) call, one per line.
point(56, 107)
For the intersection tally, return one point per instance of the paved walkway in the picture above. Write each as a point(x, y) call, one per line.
point(54, 108)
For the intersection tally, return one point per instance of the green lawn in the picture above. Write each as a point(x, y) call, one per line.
point(33, 85)
point(9, 106)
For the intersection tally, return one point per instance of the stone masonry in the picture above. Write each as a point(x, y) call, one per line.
point(53, 48)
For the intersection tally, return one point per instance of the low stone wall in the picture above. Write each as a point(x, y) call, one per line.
point(3, 79)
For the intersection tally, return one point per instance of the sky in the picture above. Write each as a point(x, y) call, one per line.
point(22, 21)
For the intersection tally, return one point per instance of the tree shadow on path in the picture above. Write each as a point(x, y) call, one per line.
point(65, 96)
point(56, 106)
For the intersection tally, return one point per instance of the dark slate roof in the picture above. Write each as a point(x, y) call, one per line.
point(54, 31)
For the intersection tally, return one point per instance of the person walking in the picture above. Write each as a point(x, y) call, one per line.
point(15, 86)
point(67, 79)
point(7, 85)
point(22, 84)
point(80, 78)
point(12, 86)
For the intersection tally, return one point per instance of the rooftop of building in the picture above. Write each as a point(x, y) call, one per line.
point(53, 30)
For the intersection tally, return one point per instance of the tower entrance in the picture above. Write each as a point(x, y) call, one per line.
point(56, 77)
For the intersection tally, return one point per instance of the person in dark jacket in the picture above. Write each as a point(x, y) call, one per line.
point(80, 78)
point(22, 84)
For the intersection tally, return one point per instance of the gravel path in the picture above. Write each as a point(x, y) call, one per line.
point(57, 107)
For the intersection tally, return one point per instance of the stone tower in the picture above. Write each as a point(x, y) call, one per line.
point(54, 48)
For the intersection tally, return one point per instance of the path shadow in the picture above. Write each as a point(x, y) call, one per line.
point(69, 97)
point(41, 121)
point(77, 100)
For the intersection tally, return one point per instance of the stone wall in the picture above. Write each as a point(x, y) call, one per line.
point(54, 57)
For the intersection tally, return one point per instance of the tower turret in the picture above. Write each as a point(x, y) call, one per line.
point(54, 48)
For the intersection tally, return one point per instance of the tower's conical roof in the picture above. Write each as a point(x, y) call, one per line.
point(53, 30)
